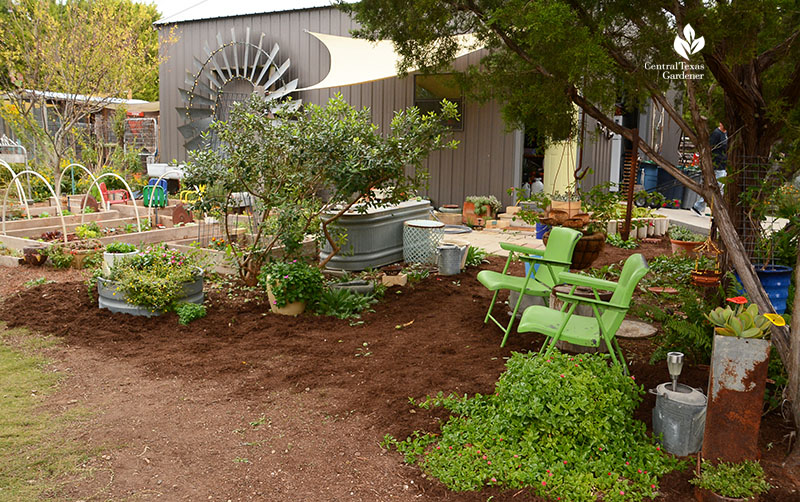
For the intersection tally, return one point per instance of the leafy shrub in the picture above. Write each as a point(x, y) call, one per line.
point(563, 426)
point(154, 277)
point(344, 304)
point(678, 233)
point(742, 480)
point(59, 257)
point(188, 312)
point(89, 231)
point(120, 247)
point(476, 256)
point(293, 281)
point(669, 270)
point(617, 241)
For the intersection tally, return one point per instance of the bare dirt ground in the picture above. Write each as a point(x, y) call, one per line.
point(244, 405)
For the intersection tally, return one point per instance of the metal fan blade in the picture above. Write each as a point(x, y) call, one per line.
point(224, 56)
point(194, 114)
point(235, 51)
point(270, 59)
point(283, 90)
point(195, 127)
point(195, 99)
point(199, 86)
point(246, 51)
point(278, 74)
point(258, 56)
point(197, 143)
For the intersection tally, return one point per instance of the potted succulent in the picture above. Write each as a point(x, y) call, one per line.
point(291, 286)
point(684, 240)
point(737, 379)
point(151, 282)
point(480, 206)
point(730, 482)
point(117, 251)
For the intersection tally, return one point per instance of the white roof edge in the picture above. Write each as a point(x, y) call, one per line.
point(217, 9)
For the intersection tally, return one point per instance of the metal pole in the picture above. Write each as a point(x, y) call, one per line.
point(626, 229)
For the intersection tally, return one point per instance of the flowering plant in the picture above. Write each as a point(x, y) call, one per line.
point(292, 281)
point(744, 322)
point(154, 277)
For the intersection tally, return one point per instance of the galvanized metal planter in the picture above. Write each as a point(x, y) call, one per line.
point(374, 238)
point(111, 297)
point(736, 386)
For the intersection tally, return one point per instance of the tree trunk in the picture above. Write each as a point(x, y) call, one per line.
point(792, 463)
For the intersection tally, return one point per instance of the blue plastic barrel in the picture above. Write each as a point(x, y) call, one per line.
point(649, 175)
point(775, 279)
point(541, 229)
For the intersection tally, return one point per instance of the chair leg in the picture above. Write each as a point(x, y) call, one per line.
point(548, 348)
point(511, 322)
point(491, 306)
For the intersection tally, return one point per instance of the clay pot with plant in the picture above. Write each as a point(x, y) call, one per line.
point(730, 482)
point(684, 240)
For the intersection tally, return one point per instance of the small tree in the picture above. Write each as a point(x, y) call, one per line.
point(89, 52)
point(305, 169)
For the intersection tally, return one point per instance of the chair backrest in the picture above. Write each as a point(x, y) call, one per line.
point(153, 196)
point(103, 190)
point(162, 183)
point(560, 246)
point(632, 272)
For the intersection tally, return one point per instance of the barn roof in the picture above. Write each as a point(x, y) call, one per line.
point(213, 9)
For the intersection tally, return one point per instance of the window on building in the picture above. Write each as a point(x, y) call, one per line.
point(430, 90)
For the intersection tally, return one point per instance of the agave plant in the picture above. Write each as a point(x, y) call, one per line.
point(744, 322)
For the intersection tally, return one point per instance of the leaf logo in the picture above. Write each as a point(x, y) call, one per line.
point(688, 45)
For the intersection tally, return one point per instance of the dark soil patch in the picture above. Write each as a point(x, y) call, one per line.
point(331, 404)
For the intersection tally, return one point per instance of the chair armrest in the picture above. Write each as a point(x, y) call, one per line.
point(546, 261)
point(591, 301)
point(521, 249)
point(591, 282)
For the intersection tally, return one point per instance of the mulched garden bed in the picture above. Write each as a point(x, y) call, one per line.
point(421, 340)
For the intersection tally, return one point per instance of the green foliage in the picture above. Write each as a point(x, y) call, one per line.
point(416, 272)
point(679, 233)
point(120, 247)
point(344, 304)
point(292, 281)
point(59, 257)
point(285, 156)
point(88, 231)
point(188, 312)
point(669, 270)
point(476, 256)
point(741, 323)
point(484, 204)
point(742, 480)
point(617, 241)
point(154, 277)
point(93, 260)
point(37, 282)
point(562, 426)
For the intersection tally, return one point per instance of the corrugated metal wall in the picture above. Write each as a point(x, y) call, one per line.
point(484, 163)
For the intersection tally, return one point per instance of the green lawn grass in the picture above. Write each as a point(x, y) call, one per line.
point(36, 454)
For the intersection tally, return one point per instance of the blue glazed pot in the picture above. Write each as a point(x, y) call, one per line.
point(541, 229)
point(775, 279)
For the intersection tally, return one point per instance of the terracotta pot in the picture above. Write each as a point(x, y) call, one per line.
point(558, 216)
point(703, 495)
point(685, 247)
point(468, 216)
point(706, 278)
point(294, 308)
point(587, 249)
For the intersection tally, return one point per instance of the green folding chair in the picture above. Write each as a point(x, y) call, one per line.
point(562, 325)
point(553, 260)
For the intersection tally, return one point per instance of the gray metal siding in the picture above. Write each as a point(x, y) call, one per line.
point(482, 164)
point(596, 154)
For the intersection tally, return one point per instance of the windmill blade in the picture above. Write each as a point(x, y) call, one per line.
point(194, 114)
point(199, 85)
point(235, 51)
point(197, 143)
point(258, 56)
point(246, 52)
point(278, 74)
point(195, 128)
point(224, 56)
point(270, 59)
point(283, 90)
point(195, 99)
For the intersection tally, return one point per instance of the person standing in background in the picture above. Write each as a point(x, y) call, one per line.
point(719, 158)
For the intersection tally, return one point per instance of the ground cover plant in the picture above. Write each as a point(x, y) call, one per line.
point(742, 480)
point(563, 426)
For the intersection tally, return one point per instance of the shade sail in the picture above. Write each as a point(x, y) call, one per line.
point(357, 61)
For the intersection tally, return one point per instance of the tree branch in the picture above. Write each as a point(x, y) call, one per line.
point(772, 55)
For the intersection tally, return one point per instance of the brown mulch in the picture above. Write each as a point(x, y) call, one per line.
point(244, 405)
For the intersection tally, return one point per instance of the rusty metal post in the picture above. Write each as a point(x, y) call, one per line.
point(626, 230)
point(736, 386)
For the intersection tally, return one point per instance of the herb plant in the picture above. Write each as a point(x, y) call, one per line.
point(742, 480)
point(188, 312)
point(88, 231)
point(678, 233)
point(59, 257)
point(485, 204)
point(120, 247)
point(617, 241)
point(344, 304)
point(562, 426)
point(476, 256)
point(292, 281)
